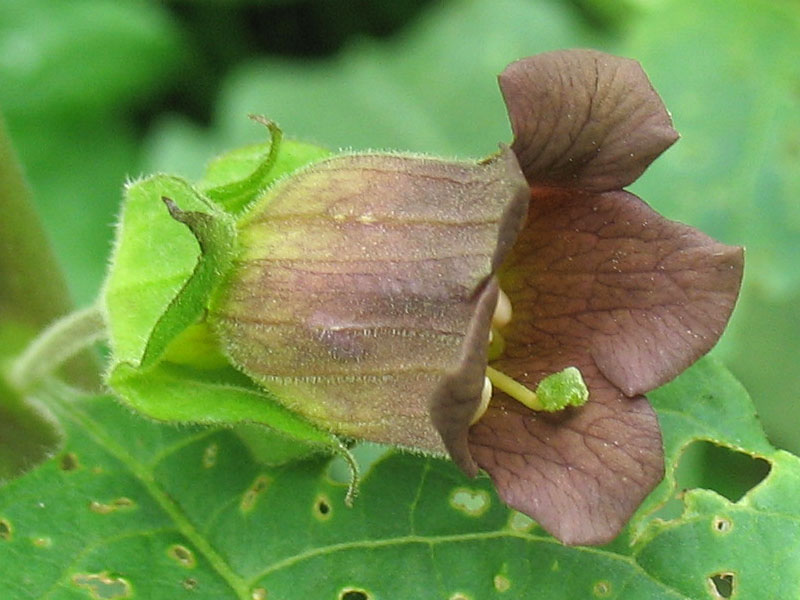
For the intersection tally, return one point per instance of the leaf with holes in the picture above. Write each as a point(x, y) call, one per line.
point(708, 405)
point(133, 509)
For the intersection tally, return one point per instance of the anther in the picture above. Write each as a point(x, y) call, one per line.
point(502, 311)
point(486, 395)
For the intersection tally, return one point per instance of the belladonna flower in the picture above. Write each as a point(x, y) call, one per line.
point(367, 286)
point(598, 280)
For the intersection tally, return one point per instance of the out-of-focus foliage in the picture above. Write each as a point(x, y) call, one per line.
point(84, 83)
point(70, 72)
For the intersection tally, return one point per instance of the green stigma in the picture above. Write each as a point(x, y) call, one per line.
point(562, 389)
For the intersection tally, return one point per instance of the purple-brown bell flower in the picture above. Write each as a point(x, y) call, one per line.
point(367, 287)
point(600, 281)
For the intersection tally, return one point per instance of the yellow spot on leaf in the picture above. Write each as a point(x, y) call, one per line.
point(471, 502)
point(117, 504)
point(259, 594)
point(5, 530)
point(520, 523)
point(602, 589)
point(210, 455)
point(42, 542)
point(103, 586)
point(183, 555)
point(252, 494)
point(501, 583)
point(190, 583)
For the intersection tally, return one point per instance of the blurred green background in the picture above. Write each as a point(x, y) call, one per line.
point(96, 92)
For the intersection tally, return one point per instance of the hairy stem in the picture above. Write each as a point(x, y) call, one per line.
point(55, 345)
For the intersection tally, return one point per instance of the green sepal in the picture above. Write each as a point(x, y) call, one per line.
point(174, 246)
point(154, 256)
point(562, 389)
point(153, 260)
point(216, 235)
point(236, 178)
point(180, 393)
point(184, 394)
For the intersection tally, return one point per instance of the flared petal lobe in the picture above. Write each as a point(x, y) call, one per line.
point(599, 281)
point(604, 283)
point(583, 119)
point(358, 283)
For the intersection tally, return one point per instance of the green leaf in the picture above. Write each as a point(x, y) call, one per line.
point(27, 435)
point(753, 542)
point(721, 413)
point(708, 404)
point(159, 512)
point(33, 292)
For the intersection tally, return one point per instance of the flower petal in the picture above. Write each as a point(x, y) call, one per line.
point(604, 283)
point(584, 119)
point(580, 473)
point(645, 296)
point(455, 402)
point(360, 280)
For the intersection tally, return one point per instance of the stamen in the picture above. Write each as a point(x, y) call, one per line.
point(554, 392)
point(486, 395)
point(502, 311)
point(496, 344)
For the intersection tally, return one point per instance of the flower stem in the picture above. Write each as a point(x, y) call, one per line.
point(55, 345)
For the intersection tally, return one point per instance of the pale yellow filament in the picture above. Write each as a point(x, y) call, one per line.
point(514, 388)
